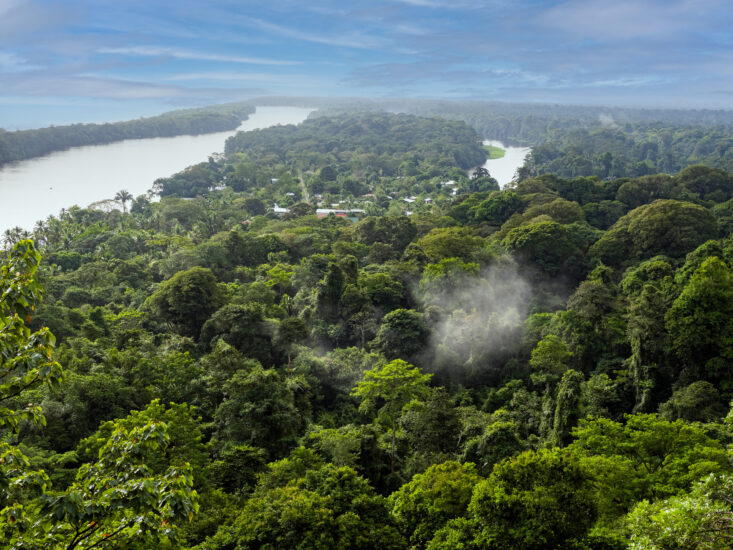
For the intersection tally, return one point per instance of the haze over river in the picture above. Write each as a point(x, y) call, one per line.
point(33, 189)
point(503, 169)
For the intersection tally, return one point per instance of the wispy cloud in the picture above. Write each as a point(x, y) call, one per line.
point(621, 51)
point(354, 39)
point(9, 62)
point(153, 51)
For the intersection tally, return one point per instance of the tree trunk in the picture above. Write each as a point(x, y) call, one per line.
point(394, 429)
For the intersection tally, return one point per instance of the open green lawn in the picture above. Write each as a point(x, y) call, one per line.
point(494, 152)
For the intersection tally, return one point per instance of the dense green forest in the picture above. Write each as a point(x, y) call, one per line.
point(572, 141)
point(26, 144)
point(545, 366)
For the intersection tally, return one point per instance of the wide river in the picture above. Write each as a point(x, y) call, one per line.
point(503, 169)
point(33, 189)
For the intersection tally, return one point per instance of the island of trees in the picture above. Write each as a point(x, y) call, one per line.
point(545, 366)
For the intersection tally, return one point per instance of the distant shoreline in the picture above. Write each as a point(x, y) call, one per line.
point(22, 145)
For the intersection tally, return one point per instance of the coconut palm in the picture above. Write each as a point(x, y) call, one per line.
point(123, 196)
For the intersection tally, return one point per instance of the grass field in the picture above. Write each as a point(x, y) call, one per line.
point(494, 152)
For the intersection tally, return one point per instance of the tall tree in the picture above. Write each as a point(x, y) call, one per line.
point(123, 196)
point(393, 386)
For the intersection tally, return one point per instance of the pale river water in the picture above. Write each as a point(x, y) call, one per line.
point(33, 189)
point(503, 169)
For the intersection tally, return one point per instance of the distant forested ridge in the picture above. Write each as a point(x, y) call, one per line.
point(572, 141)
point(26, 144)
point(380, 134)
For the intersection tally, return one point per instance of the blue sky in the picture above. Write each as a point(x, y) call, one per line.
point(93, 60)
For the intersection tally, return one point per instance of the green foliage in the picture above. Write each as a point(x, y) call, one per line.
point(393, 385)
point(402, 334)
point(499, 293)
point(537, 500)
point(698, 402)
point(187, 299)
point(699, 321)
point(551, 248)
point(549, 360)
point(26, 357)
point(241, 326)
point(668, 227)
point(325, 508)
point(498, 441)
point(431, 499)
point(117, 499)
point(258, 409)
point(700, 520)
point(645, 458)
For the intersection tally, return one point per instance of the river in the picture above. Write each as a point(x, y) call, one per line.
point(503, 169)
point(33, 189)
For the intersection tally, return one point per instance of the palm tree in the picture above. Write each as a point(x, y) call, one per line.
point(123, 196)
point(14, 235)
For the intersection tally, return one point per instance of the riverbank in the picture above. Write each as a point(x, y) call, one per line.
point(31, 190)
point(494, 152)
point(504, 168)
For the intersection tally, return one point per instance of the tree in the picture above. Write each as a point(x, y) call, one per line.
point(645, 458)
point(567, 407)
point(123, 196)
point(668, 227)
point(452, 242)
point(187, 299)
point(550, 247)
point(259, 410)
point(116, 499)
point(549, 361)
point(700, 520)
point(498, 441)
point(26, 357)
point(393, 385)
point(537, 500)
point(700, 321)
point(431, 499)
point(255, 207)
point(241, 326)
point(308, 505)
point(403, 333)
point(698, 402)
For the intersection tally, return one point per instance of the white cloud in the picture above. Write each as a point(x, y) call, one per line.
point(148, 51)
point(10, 62)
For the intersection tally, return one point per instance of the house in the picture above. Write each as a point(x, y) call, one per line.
point(279, 210)
point(338, 212)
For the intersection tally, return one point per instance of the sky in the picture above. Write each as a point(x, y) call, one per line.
point(64, 61)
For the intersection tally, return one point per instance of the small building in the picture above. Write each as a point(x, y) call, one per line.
point(339, 212)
